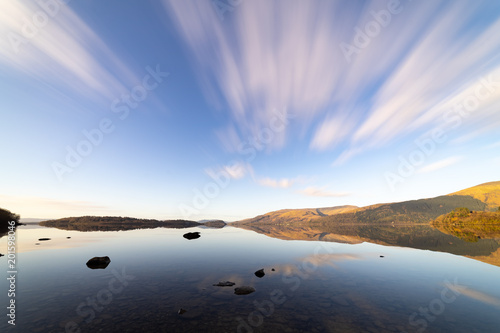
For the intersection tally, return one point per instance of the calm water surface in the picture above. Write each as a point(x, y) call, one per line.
point(315, 286)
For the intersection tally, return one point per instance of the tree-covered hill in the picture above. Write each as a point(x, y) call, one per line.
point(114, 223)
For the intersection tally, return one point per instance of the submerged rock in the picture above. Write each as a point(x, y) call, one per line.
point(225, 284)
point(98, 262)
point(244, 290)
point(192, 235)
point(260, 273)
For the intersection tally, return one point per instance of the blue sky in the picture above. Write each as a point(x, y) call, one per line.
point(230, 109)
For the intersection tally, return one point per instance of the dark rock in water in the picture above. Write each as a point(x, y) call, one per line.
point(43, 239)
point(98, 262)
point(68, 237)
point(181, 311)
point(381, 256)
point(245, 290)
point(1, 255)
point(225, 284)
point(272, 269)
point(192, 235)
point(260, 273)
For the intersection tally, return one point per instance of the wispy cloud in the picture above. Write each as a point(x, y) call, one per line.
point(440, 164)
point(236, 170)
point(322, 192)
point(492, 146)
point(277, 183)
point(273, 54)
point(63, 53)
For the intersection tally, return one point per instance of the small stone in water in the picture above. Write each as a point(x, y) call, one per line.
point(245, 290)
point(225, 284)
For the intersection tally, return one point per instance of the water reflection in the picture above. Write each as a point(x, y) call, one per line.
point(312, 286)
point(485, 248)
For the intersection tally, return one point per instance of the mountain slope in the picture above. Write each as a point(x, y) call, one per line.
point(297, 215)
point(488, 193)
point(478, 198)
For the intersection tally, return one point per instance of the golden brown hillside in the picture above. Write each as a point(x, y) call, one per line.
point(298, 215)
point(487, 192)
point(478, 198)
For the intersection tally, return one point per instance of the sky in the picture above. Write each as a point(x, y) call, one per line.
point(228, 109)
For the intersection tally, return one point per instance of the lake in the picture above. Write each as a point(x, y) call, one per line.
point(159, 281)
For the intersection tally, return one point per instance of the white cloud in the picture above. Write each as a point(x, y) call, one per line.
point(440, 164)
point(234, 170)
point(278, 183)
point(321, 192)
point(267, 55)
point(331, 131)
point(61, 51)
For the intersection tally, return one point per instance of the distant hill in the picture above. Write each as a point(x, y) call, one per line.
point(297, 215)
point(478, 198)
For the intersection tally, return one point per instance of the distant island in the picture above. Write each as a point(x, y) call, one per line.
point(115, 223)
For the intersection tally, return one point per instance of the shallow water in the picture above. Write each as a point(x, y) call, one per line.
point(315, 286)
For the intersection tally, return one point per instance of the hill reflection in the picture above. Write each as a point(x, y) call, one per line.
point(485, 248)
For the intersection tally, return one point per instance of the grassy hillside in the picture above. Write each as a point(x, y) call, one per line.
point(488, 193)
point(407, 212)
point(297, 215)
point(478, 198)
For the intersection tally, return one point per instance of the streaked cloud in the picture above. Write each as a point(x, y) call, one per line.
point(322, 192)
point(235, 170)
point(493, 145)
point(277, 183)
point(440, 164)
point(331, 132)
point(273, 54)
point(59, 50)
